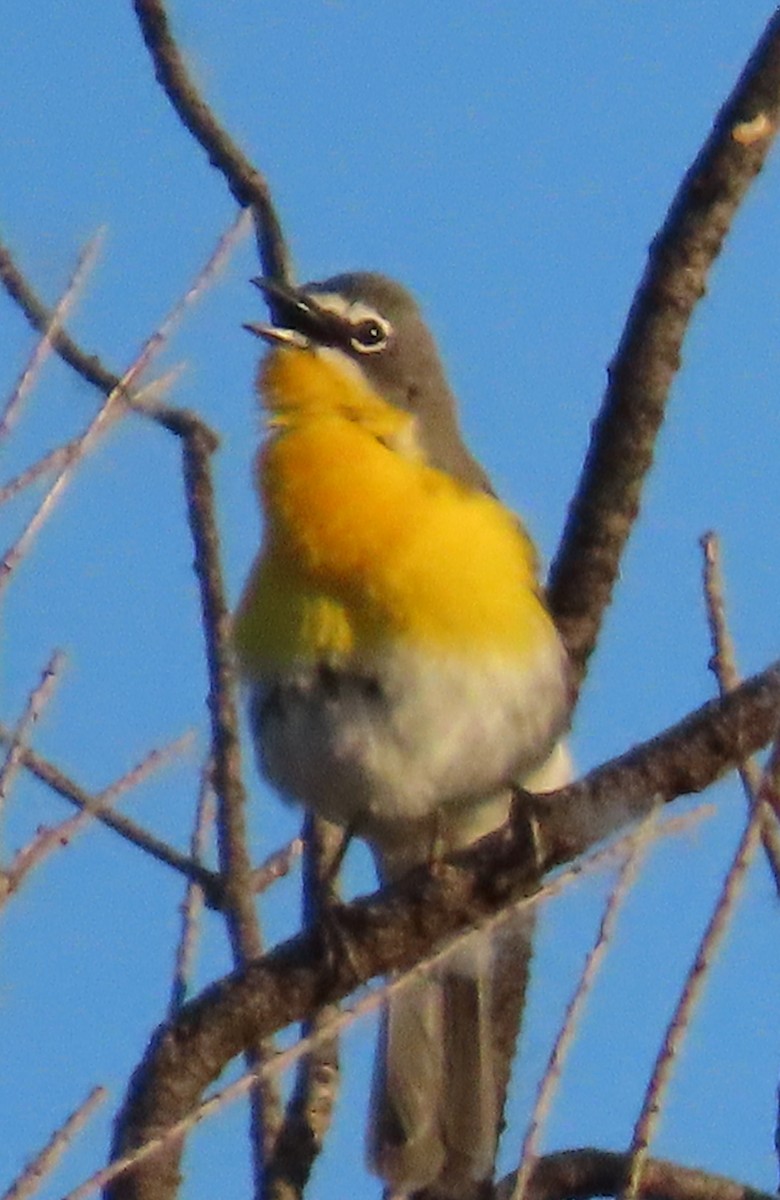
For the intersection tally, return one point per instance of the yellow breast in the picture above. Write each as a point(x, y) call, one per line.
point(365, 543)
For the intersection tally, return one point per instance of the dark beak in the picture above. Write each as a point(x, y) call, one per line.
point(296, 319)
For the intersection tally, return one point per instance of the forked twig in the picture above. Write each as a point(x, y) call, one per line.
point(178, 421)
point(69, 790)
point(36, 702)
point(49, 839)
point(84, 265)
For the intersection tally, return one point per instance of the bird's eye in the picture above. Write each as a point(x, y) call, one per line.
point(369, 335)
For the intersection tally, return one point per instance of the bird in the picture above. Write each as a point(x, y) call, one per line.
point(403, 672)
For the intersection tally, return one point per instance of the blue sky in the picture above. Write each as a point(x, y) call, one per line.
point(510, 163)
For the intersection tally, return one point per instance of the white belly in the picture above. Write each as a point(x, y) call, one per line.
point(396, 740)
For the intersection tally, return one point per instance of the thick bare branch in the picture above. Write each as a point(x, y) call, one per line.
point(369, 1000)
point(582, 1173)
point(606, 504)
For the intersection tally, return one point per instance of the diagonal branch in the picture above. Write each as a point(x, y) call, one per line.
point(698, 975)
point(396, 928)
point(606, 504)
point(49, 839)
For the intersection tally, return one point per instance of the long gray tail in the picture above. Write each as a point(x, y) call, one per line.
point(447, 1038)
point(442, 1067)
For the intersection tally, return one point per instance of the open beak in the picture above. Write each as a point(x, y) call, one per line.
point(296, 320)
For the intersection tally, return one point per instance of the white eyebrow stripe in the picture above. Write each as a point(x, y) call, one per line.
point(353, 310)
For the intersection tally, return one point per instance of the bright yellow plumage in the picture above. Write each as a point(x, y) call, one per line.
point(365, 543)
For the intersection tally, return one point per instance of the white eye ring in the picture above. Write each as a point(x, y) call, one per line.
point(370, 335)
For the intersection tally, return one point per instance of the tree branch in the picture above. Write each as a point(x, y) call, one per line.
point(241, 917)
point(69, 790)
point(606, 504)
point(392, 930)
point(244, 180)
point(586, 1172)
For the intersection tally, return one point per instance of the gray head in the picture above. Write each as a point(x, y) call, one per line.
point(377, 324)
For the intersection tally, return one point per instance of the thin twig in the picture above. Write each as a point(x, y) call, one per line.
point(244, 180)
point(550, 1081)
point(110, 410)
point(276, 866)
point(677, 1029)
point(54, 460)
point(49, 839)
point(193, 900)
point(204, 277)
point(43, 349)
point(36, 702)
point(157, 758)
point(69, 790)
point(46, 1160)
point(723, 661)
point(88, 366)
point(606, 504)
point(724, 666)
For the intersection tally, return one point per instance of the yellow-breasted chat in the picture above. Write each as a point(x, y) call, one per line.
point(402, 668)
